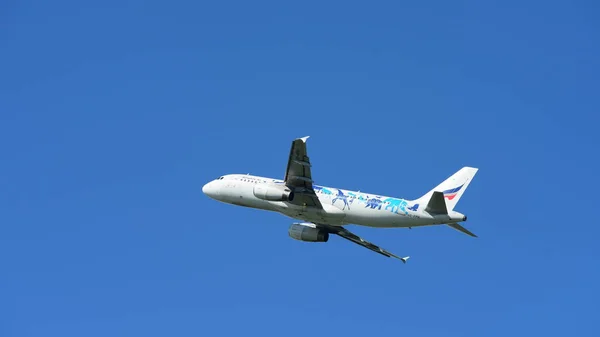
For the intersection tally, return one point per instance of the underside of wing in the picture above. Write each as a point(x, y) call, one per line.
point(298, 176)
point(346, 234)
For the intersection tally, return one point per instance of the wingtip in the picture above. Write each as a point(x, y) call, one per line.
point(404, 259)
point(303, 139)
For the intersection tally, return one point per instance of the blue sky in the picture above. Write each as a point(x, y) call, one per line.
point(113, 114)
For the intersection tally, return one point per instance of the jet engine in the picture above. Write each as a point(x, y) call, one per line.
point(308, 232)
point(273, 192)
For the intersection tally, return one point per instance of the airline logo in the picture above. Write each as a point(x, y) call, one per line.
point(451, 193)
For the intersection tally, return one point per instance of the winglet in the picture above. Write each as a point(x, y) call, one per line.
point(404, 259)
point(303, 139)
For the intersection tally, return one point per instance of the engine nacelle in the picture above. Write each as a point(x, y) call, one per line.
point(273, 192)
point(307, 232)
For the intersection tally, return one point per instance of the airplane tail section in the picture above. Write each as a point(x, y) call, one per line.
point(450, 190)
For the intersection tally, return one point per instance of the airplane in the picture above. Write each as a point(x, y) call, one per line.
point(320, 211)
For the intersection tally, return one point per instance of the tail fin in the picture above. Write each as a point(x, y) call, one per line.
point(453, 187)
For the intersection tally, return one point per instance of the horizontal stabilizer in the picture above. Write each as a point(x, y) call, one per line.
point(437, 204)
point(462, 229)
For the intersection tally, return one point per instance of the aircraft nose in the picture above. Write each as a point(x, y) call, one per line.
point(210, 189)
point(206, 189)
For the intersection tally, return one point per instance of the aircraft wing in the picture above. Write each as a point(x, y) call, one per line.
point(346, 234)
point(298, 176)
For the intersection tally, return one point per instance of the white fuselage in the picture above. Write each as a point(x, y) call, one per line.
point(340, 207)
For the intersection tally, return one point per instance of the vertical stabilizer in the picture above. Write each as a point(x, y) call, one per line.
point(454, 187)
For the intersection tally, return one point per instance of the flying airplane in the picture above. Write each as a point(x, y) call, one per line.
point(320, 211)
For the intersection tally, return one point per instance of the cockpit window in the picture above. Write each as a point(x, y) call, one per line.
point(220, 178)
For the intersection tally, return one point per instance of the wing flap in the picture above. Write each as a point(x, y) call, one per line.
point(303, 163)
point(292, 179)
point(298, 175)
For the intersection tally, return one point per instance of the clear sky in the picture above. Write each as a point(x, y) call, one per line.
point(113, 114)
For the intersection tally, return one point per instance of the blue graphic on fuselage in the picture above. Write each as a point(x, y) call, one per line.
point(343, 197)
point(322, 190)
point(352, 197)
point(414, 207)
point(396, 205)
point(374, 203)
